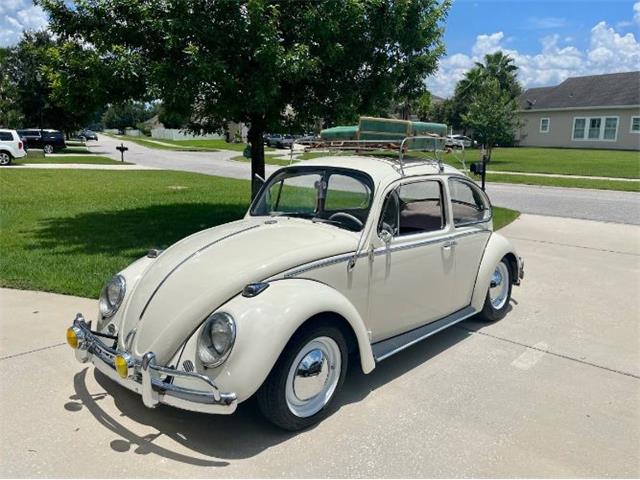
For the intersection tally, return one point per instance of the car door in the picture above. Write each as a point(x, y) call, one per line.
point(412, 271)
point(471, 217)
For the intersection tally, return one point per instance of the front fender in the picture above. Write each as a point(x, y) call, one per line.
point(265, 324)
point(497, 247)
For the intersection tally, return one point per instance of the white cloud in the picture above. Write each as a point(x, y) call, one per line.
point(608, 52)
point(17, 16)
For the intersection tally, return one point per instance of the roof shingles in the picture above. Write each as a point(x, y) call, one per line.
point(613, 89)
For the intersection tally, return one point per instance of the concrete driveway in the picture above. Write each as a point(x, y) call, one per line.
point(553, 390)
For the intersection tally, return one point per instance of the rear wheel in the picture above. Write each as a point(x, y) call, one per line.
point(305, 379)
point(48, 148)
point(497, 301)
point(5, 159)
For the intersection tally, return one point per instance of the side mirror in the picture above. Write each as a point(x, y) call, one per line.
point(386, 236)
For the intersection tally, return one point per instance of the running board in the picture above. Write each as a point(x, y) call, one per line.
point(386, 348)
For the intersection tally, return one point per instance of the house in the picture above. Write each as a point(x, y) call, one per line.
point(598, 111)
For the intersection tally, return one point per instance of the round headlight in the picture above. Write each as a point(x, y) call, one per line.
point(216, 339)
point(112, 296)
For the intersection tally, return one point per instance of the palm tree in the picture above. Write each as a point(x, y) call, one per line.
point(501, 67)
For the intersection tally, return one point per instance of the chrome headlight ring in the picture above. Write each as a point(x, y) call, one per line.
point(112, 296)
point(216, 339)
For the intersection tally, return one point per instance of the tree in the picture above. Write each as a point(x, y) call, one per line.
point(496, 66)
point(123, 115)
point(492, 115)
point(55, 83)
point(250, 60)
point(10, 112)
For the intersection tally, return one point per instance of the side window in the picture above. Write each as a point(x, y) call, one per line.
point(6, 136)
point(468, 203)
point(414, 207)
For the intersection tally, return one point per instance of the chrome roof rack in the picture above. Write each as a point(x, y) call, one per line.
point(402, 147)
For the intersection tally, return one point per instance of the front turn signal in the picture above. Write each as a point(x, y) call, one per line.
point(121, 362)
point(72, 337)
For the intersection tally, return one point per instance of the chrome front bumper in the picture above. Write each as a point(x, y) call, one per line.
point(152, 381)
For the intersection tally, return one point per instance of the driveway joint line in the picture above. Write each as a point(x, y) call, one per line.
point(574, 246)
point(31, 351)
point(559, 355)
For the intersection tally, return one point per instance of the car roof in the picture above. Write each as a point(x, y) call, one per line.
point(380, 169)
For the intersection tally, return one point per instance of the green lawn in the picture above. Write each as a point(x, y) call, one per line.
point(92, 159)
point(503, 217)
point(151, 143)
point(566, 161)
point(76, 228)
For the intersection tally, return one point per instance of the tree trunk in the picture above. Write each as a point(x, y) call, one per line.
point(257, 154)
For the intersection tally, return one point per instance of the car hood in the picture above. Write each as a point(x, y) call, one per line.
point(194, 277)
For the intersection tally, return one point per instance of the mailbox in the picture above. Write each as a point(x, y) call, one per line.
point(121, 148)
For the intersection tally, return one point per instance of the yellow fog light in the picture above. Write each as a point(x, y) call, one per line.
point(121, 363)
point(73, 335)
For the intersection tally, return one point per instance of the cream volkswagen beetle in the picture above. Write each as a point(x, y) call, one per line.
point(339, 259)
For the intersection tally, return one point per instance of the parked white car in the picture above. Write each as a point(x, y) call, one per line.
point(340, 255)
point(11, 146)
point(460, 141)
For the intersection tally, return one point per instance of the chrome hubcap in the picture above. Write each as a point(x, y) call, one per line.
point(499, 289)
point(4, 159)
point(313, 377)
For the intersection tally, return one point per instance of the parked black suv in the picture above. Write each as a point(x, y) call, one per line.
point(48, 140)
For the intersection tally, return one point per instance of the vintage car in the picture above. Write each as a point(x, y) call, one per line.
point(338, 259)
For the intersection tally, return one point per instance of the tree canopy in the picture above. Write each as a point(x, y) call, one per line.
point(250, 60)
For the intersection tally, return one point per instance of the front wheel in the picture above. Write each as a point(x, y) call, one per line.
point(48, 148)
point(496, 303)
point(305, 379)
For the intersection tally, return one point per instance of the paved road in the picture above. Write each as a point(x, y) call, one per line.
point(553, 390)
point(601, 205)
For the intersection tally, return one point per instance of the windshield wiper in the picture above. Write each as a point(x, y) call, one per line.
point(325, 220)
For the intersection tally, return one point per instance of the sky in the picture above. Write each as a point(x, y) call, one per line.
point(549, 40)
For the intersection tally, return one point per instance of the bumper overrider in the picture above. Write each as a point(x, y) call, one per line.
point(144, 376)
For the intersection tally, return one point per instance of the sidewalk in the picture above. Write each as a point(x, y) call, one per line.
point(558, 175)
point(83, 166)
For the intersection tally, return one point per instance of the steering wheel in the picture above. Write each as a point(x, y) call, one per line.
point(347, 216)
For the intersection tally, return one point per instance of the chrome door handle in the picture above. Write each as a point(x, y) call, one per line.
point(449, 244)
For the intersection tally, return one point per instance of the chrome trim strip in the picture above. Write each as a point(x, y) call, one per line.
point(420, 243)
point(378, 251)
point(189, 258)
point(396, 344)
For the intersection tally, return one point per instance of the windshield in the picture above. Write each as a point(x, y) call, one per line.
point(340, 197)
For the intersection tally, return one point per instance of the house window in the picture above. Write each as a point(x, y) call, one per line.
point(595, 128)
point(578, 128)
point(610, 128)
point(635, 124)
point(544, 125)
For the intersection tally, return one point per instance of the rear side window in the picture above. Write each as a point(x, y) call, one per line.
point(469, 204)
point(6, 136)
point(412, 208)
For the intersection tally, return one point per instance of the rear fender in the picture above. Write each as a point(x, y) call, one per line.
point(497, 248)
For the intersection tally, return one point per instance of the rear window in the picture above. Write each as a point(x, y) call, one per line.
point(6, 136)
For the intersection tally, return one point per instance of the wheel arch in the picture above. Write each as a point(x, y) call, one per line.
point(266, 324)
point(498, 247)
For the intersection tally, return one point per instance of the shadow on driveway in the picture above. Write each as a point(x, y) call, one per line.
point(245, 433)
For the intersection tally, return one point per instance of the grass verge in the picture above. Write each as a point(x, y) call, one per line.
point(566, 182)
point(88, 159)
point(268, 159)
